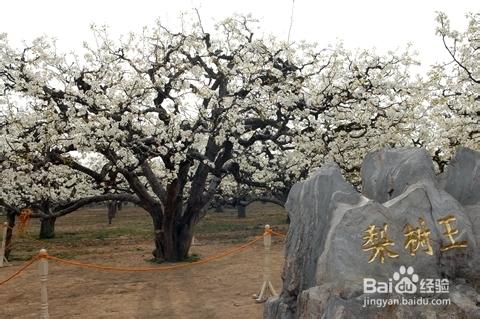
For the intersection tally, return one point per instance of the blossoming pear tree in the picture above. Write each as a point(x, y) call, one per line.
point(29, 180)
point(452, 91)
point(362, 101)
point(167, 111)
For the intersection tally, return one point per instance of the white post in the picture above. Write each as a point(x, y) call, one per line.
point(267, 287)
point(4, 242)
point(43, 269)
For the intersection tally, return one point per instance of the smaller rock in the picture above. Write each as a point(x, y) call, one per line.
point(462, 176)
point(465, 297)
point(386, 173)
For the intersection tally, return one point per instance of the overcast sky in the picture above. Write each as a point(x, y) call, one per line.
point(385, 25)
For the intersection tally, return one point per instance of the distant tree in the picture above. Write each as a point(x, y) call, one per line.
point(360, 102)
point(30, 180)
point(112, 208)
point(452, 92)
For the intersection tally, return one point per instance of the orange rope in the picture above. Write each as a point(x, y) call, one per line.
point(277, 233)
point(133, 269)
point(24, 217)
point(8, 227)
point(19, 271)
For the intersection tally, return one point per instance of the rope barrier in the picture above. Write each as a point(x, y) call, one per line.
point(277, 233)
point(25, 240)
point(225, 253)
point(8, 227)
point(147, 269)
point(43, 257)
point(19, 271)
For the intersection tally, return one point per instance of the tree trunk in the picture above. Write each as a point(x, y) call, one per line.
point(241, 211)
point(47, 228)
point(8, 239)
point(112, 211)
point(172, 243)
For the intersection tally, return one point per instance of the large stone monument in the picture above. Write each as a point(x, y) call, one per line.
point(409, 240)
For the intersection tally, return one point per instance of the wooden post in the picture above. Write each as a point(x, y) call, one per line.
point(3, 259)
point(43, 269)
point(267, 287)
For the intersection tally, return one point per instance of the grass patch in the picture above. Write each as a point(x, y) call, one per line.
point(221, 227)
point(101, 234)
point(85, 231)
point(192, 258)
point(129, 232)
point(20, 256)
point(70, 254)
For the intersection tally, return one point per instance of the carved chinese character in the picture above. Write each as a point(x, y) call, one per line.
point(450, 232)
point(418, 237)
point(377, 241)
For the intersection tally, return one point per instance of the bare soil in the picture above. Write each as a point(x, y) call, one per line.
point(219, 289)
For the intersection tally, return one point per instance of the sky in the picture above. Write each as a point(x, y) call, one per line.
point(380, 24)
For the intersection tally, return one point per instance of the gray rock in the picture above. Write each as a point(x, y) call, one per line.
point(327, 302)
point(310, 205)
point(325, 263)
point(386, 173)
point(276, 307)
point(342, 261)
point(473, 212)
point(462, 176)
point(343, 249)
point(467, 299)
point(424, 200)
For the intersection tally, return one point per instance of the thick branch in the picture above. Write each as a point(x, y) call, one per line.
point(64, 210)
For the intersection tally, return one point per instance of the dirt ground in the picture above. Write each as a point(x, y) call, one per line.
point(219, 289)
